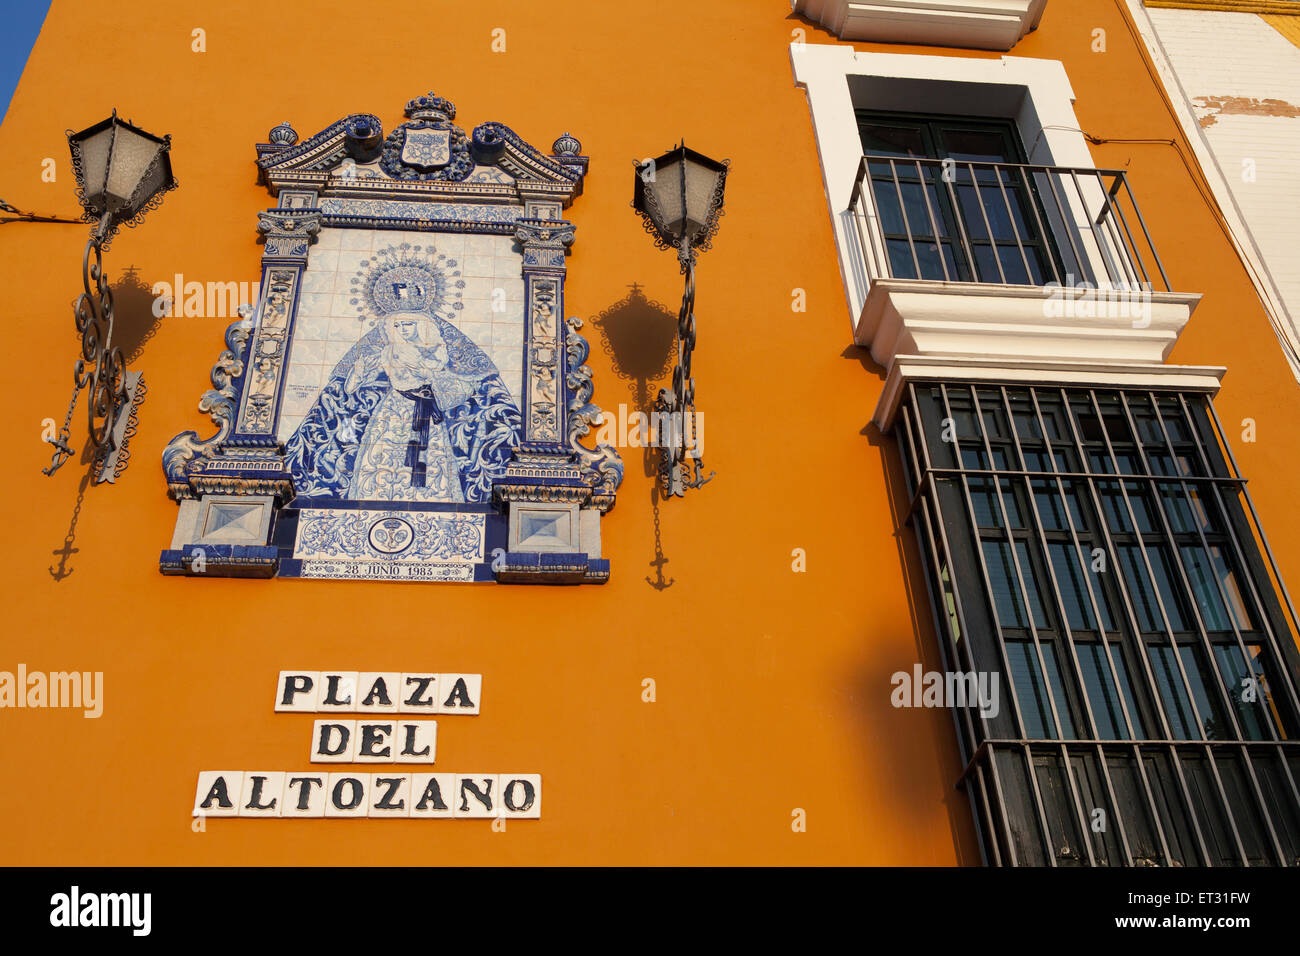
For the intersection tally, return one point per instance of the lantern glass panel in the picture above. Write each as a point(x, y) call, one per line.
point(668, 193)
point(701, 181)
point(132, 154)
point(94, 162)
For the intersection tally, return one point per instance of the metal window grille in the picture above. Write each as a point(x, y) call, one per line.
point(1097, 550)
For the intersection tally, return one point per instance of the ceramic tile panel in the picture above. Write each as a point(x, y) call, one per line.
point(333, 741)
point(390, 795)
point(378, 692)
point(218, 793)
point(393, 544)
point(262, 792)
point(475, 796)
point(432, 794)
point(375, 743)
point(415, 741)
point(403, 375)
point(378, 392)
point(296, 692)
point(337, 691)
point(460, 693)
point(347, 795)
point(304, 795)
point(419, 694)
point(520, 795)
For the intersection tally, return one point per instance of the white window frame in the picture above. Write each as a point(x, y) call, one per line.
point(916, 327)
point(1035, 93)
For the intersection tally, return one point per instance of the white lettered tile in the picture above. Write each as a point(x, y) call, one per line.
point(416, 741)
point(333, 741)
point(390, 795)
point(460, 693)
point(374, 741)
point(347, 795)
point(419, 694)
point(432, 794)
point(296, 691)
point(218, 793)
point(378, 692)
point(521, 795)
point(262, 792)
point(475, 796)
point(304, 795)
point(337, 691)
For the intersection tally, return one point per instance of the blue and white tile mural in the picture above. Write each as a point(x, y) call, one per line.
point(407, 400)
point(405, 385)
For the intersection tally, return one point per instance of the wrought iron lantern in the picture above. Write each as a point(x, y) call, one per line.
point(679, 196)
point(122, 172)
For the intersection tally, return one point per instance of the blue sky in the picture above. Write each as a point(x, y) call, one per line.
point(20, 22)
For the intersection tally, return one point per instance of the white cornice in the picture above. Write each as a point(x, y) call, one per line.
point(914, 368)
point(976, 24)
point(924, 328)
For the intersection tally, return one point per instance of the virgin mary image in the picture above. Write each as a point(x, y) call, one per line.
point(414, 411)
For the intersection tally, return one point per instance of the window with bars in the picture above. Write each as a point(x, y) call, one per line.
point(1097, 550)
point(953, 198)
point(981, 195)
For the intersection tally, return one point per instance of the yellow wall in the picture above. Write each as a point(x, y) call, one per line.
point(773, 687)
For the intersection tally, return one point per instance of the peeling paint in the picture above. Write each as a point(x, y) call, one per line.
point(1209, 108)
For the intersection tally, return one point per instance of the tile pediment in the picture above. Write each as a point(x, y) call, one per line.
point(426, 155)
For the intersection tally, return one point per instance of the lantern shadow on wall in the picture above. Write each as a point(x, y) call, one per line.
point(135, 323)
point(639, 335)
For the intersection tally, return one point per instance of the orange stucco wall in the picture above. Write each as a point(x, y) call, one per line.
point(772, 686)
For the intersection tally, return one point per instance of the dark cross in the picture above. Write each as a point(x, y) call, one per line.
point(660, 584)
point(64, 553)
point(67, 551)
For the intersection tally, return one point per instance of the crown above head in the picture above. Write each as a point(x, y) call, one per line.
point(405, 278)
point(430, 106)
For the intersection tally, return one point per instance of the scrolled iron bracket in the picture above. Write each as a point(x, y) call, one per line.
point(100, 369)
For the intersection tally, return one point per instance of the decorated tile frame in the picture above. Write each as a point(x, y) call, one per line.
point(412, 208)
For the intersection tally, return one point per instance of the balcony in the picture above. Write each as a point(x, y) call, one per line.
point(1005, 223)
point(1006, 264)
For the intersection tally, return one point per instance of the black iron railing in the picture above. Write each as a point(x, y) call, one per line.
point(1006, 223)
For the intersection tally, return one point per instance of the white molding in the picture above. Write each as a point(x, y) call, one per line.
point(924, 317)
point(1285, 326)
point(913, 368)
point(974, 24)
point(910, 323)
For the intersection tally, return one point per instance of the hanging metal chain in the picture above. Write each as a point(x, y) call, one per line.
point(101, 367)
point(679, 404)
point(62, 450)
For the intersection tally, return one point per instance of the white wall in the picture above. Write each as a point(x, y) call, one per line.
point(1216, 55)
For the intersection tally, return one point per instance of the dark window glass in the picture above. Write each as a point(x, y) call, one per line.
point(1006, 585)
point(1173, 693)
point(944, 211)
point(1103, 695)
point(1031, 691)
